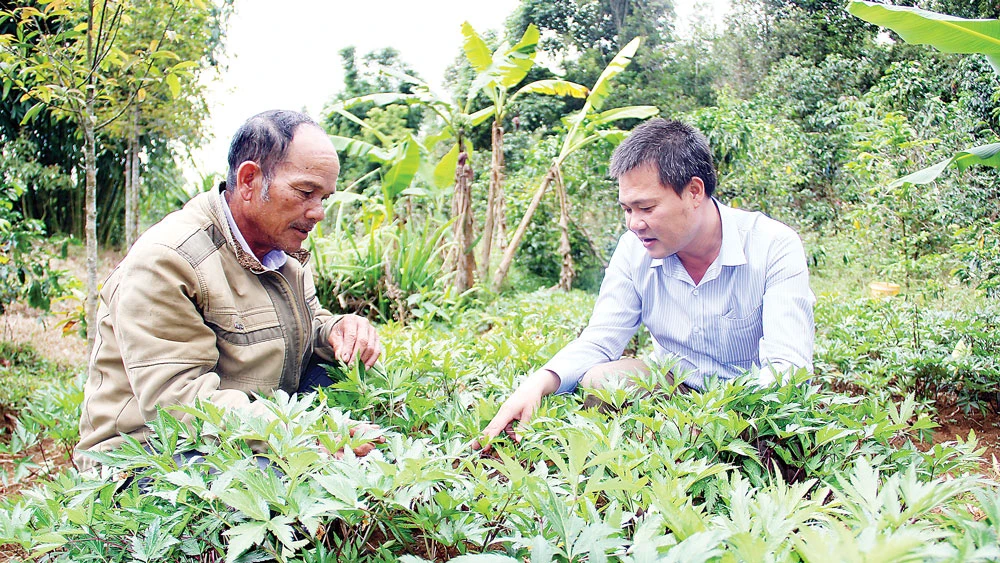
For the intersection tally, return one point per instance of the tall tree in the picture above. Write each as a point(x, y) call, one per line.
point(169, 99)
point(586, 34)
point(67, 57)
point(763, 32)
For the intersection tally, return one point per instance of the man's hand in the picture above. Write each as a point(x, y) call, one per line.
point(519, 406)
point(354, 337)
point(365, 430)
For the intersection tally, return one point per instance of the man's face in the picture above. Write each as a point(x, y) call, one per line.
point(664, 221)
point(299, 186)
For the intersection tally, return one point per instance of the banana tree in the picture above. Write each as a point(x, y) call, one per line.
point(583, 128)
point(497, 73)
point(399, 163)
point(507, 69)
point(950, 35)
point(454, 167)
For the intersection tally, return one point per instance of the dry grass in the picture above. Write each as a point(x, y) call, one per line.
point(22, 324)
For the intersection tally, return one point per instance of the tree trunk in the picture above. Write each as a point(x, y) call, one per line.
point(567, 273)
point(493, 199)
point(502, 222)
point(502, 214)
point(461, 210)
point(136, 185)
point(515, 241)
point(132, 182)
point(129, 236)
point(90, 163)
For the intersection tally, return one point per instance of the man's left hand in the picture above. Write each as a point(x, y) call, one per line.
point(354, 337)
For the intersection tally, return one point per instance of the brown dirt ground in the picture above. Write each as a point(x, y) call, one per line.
point(956, 425)
point(22, 324)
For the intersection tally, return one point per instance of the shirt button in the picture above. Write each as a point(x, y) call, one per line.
point(697, 330)
point(695, 292)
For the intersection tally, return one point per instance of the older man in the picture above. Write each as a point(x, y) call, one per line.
point(721, 290)
point(215, 301)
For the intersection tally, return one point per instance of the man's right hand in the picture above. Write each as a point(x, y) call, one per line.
point(520, 406)
point(354, 337)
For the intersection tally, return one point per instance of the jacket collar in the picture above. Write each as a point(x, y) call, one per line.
point(213, 199)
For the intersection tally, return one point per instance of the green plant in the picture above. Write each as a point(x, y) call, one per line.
point(892, 350)
point(793, 471)
point(978, 248)
point(756, 150)
point(391, 272)
point(25, 270)
point(951, 35)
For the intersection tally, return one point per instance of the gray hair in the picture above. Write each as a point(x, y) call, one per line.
point(679, 152)
point(264, 139)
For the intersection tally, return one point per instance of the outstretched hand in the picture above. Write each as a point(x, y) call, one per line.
point(520, 406)
point(354, 337)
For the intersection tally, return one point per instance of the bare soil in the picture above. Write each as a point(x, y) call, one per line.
point(22, 324)
point(956, 426)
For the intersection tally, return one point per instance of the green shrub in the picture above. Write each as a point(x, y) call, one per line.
point(391, 272)
point(894, 347)
point(23, 372)
point(25, 272)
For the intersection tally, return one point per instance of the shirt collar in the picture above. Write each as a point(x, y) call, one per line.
point(731, 253)
point(273, 260)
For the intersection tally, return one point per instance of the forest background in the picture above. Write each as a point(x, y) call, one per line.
point(459, 202)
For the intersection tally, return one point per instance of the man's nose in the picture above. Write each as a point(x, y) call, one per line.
point(316, 212)
point(634, 224)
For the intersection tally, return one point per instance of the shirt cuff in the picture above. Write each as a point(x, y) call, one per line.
point(323, 342)
point(568, 381)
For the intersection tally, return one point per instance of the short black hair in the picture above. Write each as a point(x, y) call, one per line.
point(264, 139)
point(678, 150)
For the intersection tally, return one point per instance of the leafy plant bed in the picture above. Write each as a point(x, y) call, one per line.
point(40, 403)
point(797, 472)
point(892, 347)
point(895, 346)
point(952, 424)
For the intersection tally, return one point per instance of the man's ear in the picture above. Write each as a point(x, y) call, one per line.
point(248, 179)
point(696, 187)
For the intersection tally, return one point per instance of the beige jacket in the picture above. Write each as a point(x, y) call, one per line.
point(189, 314)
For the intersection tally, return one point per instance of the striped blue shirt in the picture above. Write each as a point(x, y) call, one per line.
point(752, 308)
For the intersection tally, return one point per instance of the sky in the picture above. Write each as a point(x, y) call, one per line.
point(286, 54)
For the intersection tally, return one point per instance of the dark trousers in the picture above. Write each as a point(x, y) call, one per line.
point(314, 376)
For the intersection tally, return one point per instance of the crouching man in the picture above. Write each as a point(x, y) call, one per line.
point(215, 301)
point(721, 290)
